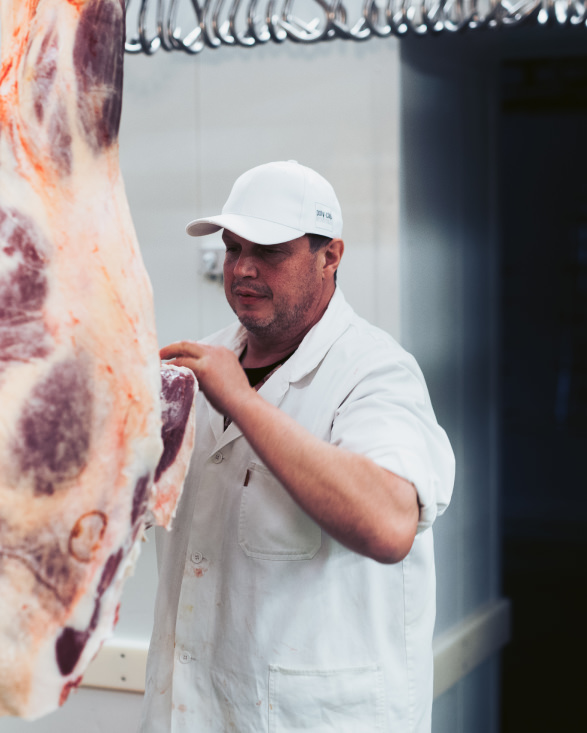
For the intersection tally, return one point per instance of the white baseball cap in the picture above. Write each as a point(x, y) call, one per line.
point(276, 202)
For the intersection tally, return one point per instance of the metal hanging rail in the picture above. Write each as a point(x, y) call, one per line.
point(192, 25)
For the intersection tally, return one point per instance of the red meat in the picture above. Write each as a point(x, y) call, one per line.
point(80, 412)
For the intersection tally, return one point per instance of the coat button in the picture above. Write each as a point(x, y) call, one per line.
point(218, 457)
point(185, 657)
point(196, 557)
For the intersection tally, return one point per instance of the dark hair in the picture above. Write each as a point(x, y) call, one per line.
point(318, 241)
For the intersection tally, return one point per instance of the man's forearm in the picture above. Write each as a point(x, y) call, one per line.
point(365, 507)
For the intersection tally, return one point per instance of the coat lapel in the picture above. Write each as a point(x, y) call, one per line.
point(273, 391)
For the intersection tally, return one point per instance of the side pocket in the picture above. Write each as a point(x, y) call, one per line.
point(271, 525)
point(327, 701)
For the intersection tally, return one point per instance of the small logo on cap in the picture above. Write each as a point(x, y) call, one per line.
point(324, 219)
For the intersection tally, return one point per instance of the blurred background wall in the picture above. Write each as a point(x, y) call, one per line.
point(414, 136)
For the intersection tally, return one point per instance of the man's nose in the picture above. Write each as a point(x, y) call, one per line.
point(245, 266)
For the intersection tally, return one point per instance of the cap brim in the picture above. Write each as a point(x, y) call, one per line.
point(255, 230)
point(201, 227)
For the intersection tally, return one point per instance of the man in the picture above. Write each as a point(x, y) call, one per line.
point(297, 587)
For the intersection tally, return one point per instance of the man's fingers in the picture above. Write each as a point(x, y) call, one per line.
point(185, 361)
point(182, 349)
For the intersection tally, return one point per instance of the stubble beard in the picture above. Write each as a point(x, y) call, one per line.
point(286, 319)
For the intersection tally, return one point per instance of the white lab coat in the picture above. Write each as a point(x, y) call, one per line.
point(263, 622)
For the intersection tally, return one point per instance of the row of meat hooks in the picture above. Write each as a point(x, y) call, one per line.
point(191, 25)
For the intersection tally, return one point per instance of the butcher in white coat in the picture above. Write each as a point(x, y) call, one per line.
point(297, 587)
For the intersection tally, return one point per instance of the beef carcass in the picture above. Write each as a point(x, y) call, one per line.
point(80, 413)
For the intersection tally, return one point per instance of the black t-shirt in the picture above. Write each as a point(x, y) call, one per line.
point(257, 374)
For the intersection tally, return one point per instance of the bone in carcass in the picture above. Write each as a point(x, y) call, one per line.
point(80, 413)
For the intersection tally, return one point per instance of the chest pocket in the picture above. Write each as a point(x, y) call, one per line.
point(271, 525)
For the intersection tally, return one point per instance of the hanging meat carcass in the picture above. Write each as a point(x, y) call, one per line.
point(80, 413)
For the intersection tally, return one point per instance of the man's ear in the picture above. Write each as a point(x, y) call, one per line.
point(332, 255)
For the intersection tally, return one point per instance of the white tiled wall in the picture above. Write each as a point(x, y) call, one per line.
point(192, 125)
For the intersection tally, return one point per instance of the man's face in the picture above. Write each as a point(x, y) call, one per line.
point(275, 290)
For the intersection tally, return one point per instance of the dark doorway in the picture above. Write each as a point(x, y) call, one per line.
point(543, 304)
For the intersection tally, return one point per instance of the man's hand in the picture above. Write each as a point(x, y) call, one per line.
point(220, 376)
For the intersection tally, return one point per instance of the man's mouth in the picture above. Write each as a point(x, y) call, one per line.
point(248, 294)
point(249, 297)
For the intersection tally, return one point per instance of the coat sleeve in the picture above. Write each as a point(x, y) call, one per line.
point(388, 417)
